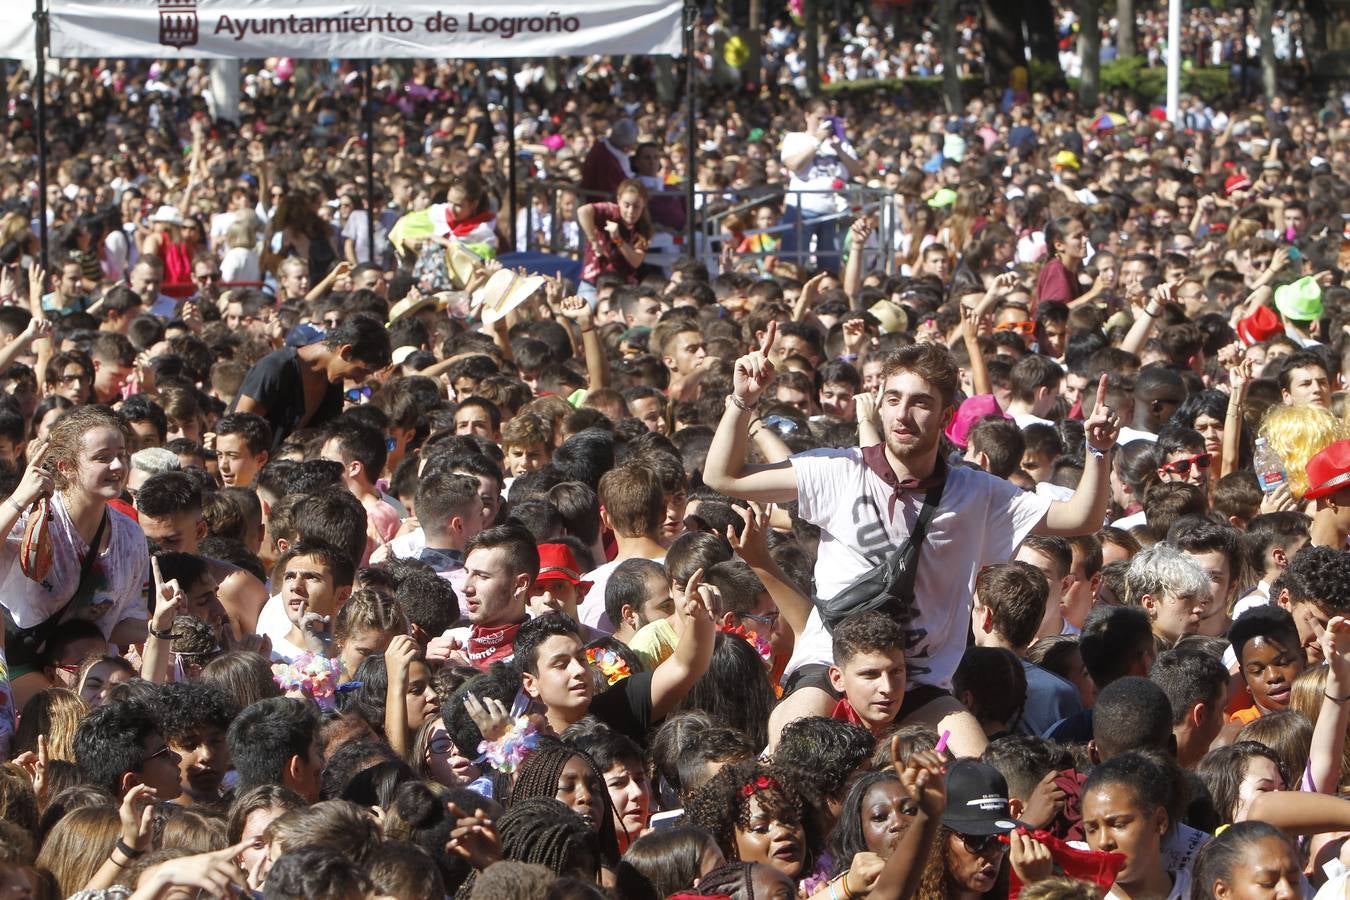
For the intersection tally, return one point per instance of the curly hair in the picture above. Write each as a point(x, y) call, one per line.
point(1320, 575)
point(544, 831)
point(722, 806)
point(1298, 433)
point(67, 439)
point(185, 708)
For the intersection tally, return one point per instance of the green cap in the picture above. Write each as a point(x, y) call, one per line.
point(1300, 300)
point(944, 197)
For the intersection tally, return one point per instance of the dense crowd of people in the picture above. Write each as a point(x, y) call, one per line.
point(985, 540)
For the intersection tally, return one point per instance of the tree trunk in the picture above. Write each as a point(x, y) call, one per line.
point(811, 16)
point(754, 38)
point(1042, 36)
point(1005, 48)
point(1265, 23)
point(1125, 34)
point(1089, 51)
point(951, 73)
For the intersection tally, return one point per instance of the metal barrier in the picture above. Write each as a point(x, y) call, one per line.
point(547, 223)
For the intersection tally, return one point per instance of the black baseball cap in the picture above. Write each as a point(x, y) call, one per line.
point(977, 799)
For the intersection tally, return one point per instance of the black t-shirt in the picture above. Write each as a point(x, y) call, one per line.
point(276, 382)
point(627, 707)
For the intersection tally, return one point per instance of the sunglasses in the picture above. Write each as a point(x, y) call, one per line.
point(1026, 329)
point(979, 843)
point(356, 395)
point(1183, 466)
point(162, 751)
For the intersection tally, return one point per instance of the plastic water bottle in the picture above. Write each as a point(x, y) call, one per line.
point(1268, 465)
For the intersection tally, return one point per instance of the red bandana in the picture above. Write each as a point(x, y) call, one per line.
point(490, 645)
point(465, 228)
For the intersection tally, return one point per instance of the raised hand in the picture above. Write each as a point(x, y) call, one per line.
point(1103, 426)
point(700, 600)
point(489, 714)
point(754, 371)
point(137, 814)
point(576, 309)
point(169, 599)
point(36, 482)
point(474, 837)
point(38, 328)
point(750, 543)
point(1335, 645)
point(923, 777)
point(398, 658)
point(213, 874)
point(855, 335)
point(1045, 803)
point(1029, 857)
point(861, 230)
point(35, 765)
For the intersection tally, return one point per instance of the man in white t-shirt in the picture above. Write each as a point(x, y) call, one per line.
point(866, 501)
point(822, 161)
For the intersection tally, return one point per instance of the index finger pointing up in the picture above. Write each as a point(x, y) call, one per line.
point(770, 335)
point(1101, 393)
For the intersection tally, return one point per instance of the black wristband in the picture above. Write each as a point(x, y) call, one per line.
point(164, 634)
point(128, 852)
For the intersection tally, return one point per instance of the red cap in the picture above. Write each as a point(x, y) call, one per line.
point(556, 563)
point(1329, 470)
point(1236, 182)
point(1261, 325)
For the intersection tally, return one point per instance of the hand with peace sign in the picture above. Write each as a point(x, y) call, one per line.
point(1103, 427)
point(754, 371)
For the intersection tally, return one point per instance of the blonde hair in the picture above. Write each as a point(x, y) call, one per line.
point(243, 232)
point(55, 713)
point(1306, 697)
point(78, 845)
point(1298, 433)
point(67, 438)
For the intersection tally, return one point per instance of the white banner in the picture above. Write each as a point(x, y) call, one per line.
point(18, 35)
point(250, 29)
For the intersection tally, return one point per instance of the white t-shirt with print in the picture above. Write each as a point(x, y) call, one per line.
point(819, 174)
point(980, 520)
point(119, 573)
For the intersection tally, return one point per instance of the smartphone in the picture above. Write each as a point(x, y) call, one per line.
point(668, 819)
point(838, 125)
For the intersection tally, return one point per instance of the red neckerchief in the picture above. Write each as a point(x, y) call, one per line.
point(844, 712)
point(874, 457)
point(490, 645)
point(462, 229)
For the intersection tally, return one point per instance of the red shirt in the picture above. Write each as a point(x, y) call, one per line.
point(1055, 284)
point(602, 254)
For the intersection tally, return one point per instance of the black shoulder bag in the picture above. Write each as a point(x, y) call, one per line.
point(23, 646)
point(889, 588)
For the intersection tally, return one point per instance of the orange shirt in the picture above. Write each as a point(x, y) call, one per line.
point(1250, 714)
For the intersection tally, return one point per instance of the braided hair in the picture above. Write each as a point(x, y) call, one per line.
point(735, 880)
point(539, 774)
point(544, 831)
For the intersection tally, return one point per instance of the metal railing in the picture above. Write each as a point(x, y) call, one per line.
point(809, 240)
